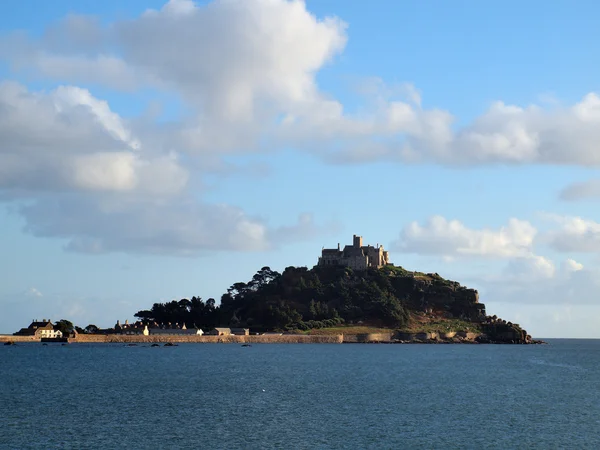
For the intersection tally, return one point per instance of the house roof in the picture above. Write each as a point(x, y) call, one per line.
point(36, 324)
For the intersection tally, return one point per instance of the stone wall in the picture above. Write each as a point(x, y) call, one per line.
point(231, 339)
point(11, 338)
point(367, 337)
point(435, 336)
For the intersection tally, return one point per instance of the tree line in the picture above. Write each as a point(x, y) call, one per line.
point(297, 299)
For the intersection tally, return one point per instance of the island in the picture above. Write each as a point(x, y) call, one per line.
point(352, 295)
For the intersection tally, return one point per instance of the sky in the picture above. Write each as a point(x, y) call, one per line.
point(154, 150)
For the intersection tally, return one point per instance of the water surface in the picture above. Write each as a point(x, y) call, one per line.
point(301, 396)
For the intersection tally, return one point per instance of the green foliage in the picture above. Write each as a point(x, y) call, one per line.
point(443, 326)
point(303, 299)
point(194, 313)
point(91, 329)
point(65, 326)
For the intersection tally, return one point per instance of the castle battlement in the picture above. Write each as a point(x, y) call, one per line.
point(356, 256)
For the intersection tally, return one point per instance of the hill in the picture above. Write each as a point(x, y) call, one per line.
point(327, 298)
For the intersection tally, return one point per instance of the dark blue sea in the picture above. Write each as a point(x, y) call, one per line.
point(361, 396)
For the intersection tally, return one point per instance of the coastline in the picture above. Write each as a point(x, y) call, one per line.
point(367, 338)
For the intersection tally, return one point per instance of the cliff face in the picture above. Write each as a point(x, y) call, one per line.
point(435, 296)
point(432, 293)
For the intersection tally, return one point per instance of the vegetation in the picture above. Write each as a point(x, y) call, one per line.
point(331, 300)
point(424, 323)
point(65, 326)
point(297, 299)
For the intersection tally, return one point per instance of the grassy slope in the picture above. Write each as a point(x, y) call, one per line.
point(418, 323)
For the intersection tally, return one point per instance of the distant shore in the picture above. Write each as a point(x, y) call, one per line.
point(380, 338)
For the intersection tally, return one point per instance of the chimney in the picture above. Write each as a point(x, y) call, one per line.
point(338, 246)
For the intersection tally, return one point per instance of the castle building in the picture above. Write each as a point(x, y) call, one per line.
point(356, 256)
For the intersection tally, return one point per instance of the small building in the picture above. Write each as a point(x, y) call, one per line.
point(240, 331)
point(219, 332)
point(127, 328)
point(172, 331)
point(40, 329)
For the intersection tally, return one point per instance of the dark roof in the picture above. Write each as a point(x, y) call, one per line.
point(34, 325)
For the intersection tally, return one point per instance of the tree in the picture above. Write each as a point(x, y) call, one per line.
point(91, 329)
point(64, 326)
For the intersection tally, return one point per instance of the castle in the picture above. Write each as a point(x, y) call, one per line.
point(355, 256)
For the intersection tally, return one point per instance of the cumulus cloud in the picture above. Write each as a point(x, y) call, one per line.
point(68, 139)
point(539, 281)
point(81, 174)
point(575, 234)
point(531, 268)
point(570, 265)
point(440, 236)
point(246, 71)
point(240, 63)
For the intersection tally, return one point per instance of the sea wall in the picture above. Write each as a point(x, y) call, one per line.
point(232, 339)
point(366, 337)
point(450, 336)
point(11, 338)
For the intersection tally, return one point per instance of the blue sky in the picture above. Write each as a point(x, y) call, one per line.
point(151, 155)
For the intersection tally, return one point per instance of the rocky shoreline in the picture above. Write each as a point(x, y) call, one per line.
point(367, 338)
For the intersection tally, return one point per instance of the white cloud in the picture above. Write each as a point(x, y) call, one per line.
point(538, 281)
point(448, 238)
point(69, 98)
point(575, 234)
point(66, 139)
point(529, 269)
point(570, 265)
point(238, 64)
point(82, 176)
point(245, 70)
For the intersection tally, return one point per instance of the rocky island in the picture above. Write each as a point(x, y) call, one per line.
point(352, 295)
point(353, 291)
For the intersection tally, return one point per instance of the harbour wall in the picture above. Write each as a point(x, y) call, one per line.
point(230, 339)
point(260, 339)
point(11, 338)
point(366, 338)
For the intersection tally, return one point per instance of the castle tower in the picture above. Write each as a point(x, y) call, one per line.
point(357, 241)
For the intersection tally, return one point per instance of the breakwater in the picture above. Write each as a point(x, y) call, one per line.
point(364, 338)
point(11, 338)
point(230, 339)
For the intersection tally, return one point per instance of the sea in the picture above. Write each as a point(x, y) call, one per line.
point(300, 396)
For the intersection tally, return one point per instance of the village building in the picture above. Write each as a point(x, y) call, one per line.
point(356, 256)
point(240, 331)
point(40, 329)
point(219, 332)
point(229, 331)
point(127, 328)
point(172, 330)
